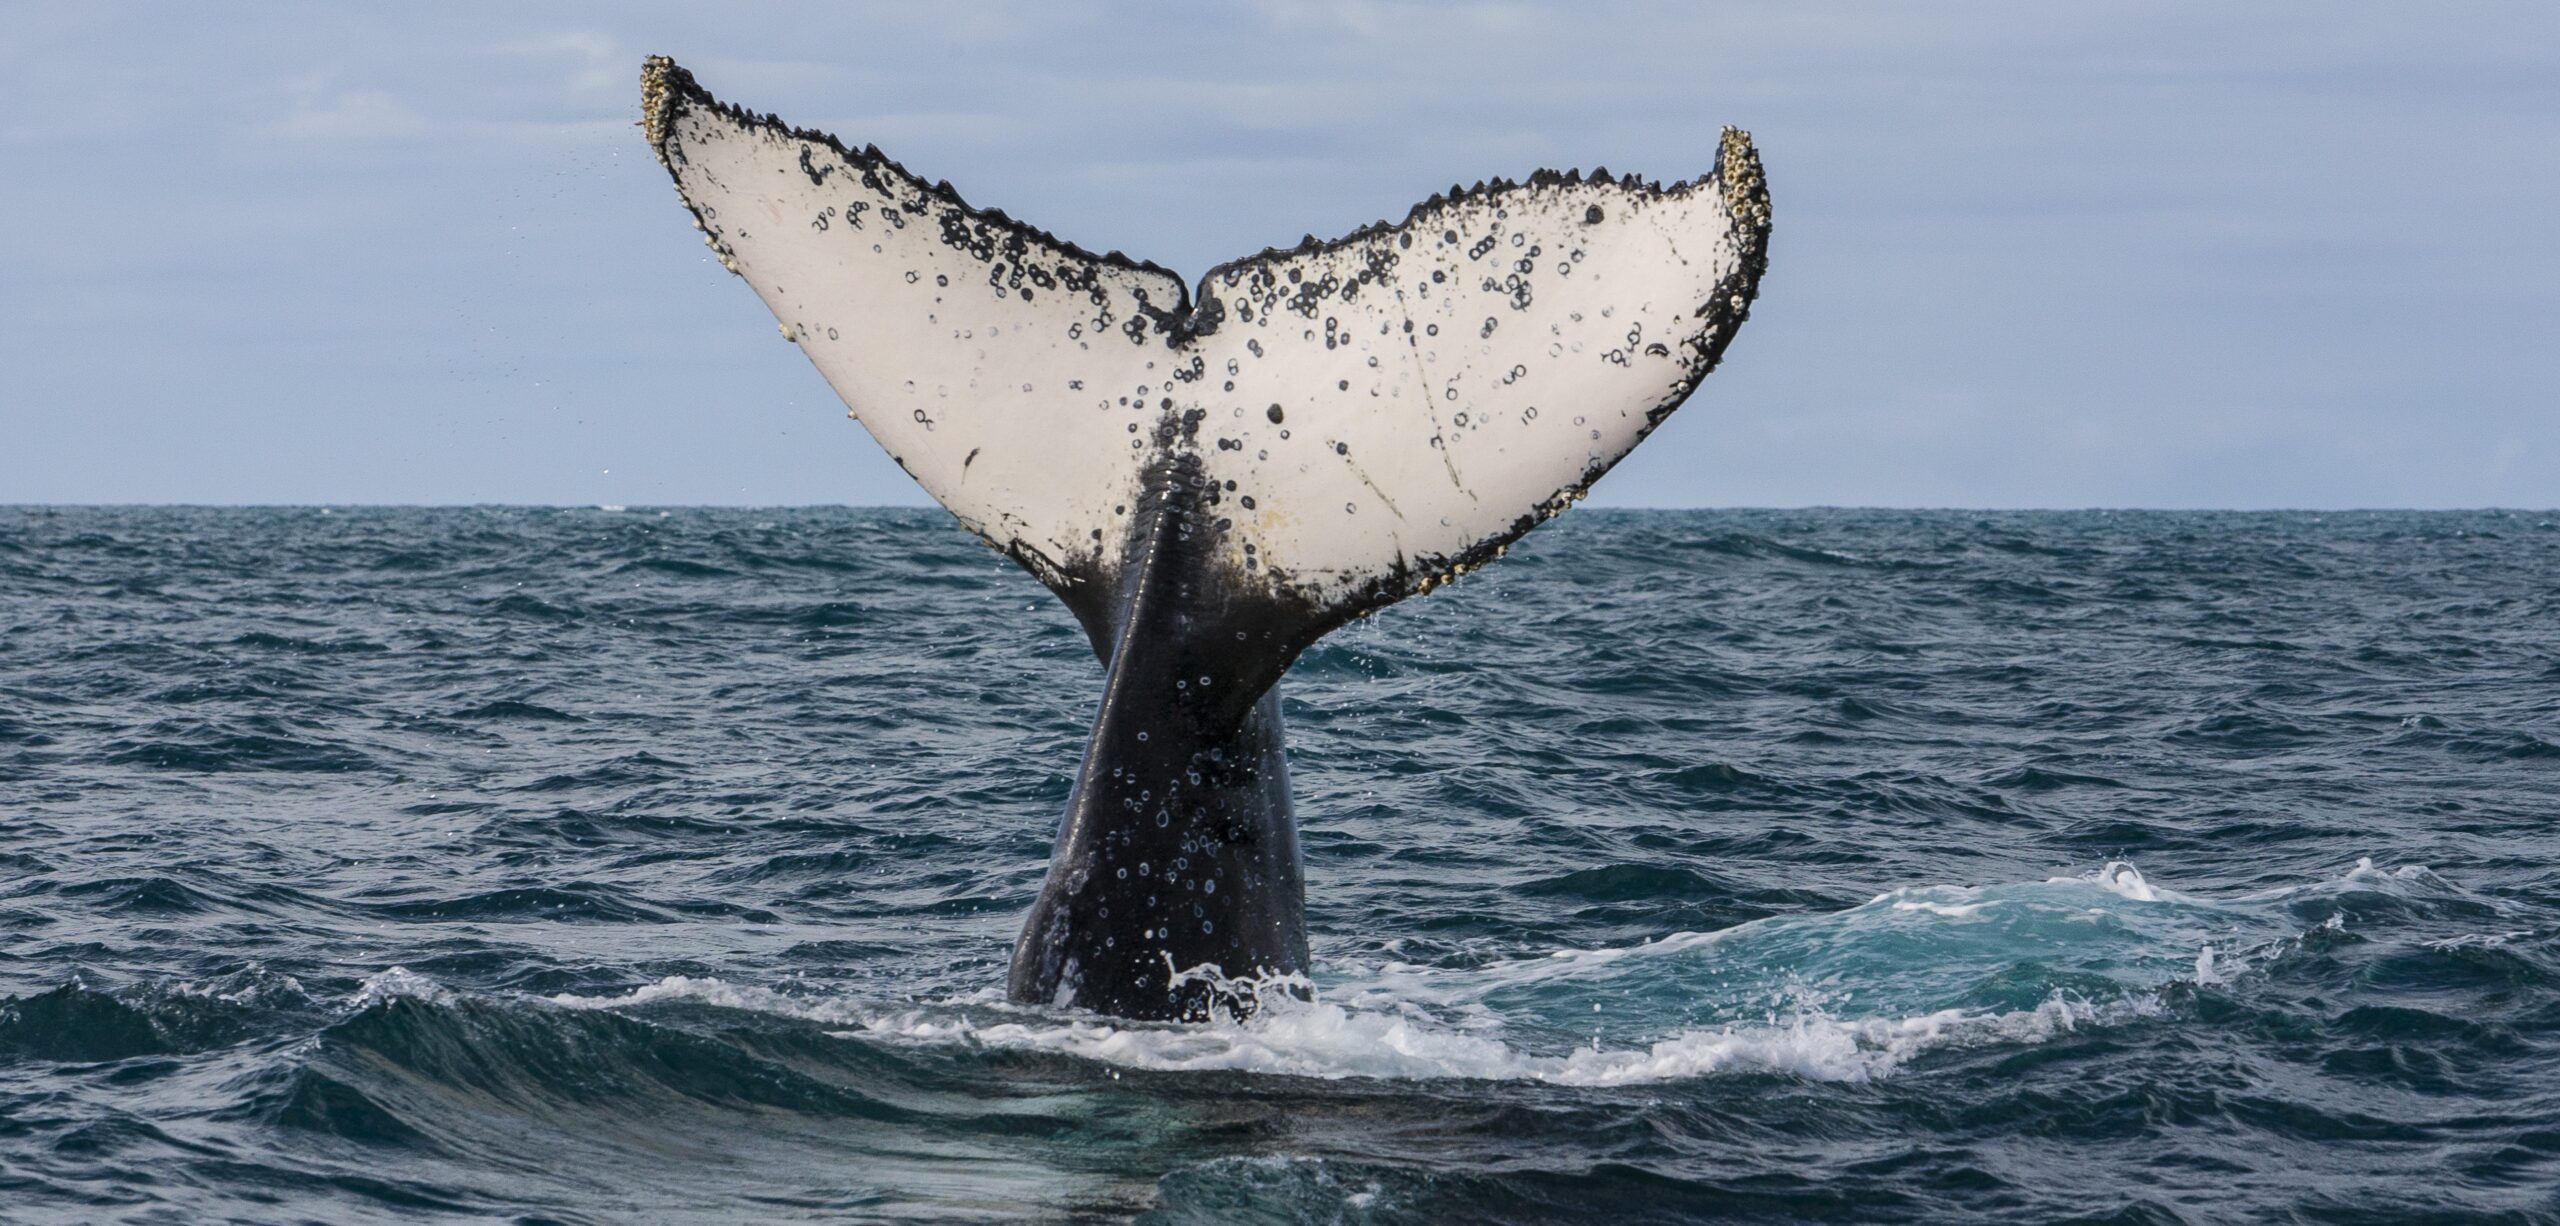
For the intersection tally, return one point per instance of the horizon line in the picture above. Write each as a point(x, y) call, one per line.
point(624, 508)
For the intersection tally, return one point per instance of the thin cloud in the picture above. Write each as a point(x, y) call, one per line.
point(600, 63)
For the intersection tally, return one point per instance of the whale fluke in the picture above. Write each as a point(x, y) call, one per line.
point(1212, 480)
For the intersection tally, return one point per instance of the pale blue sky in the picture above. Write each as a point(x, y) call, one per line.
point(2026, 254)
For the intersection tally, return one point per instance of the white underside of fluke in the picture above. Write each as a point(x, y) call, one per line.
point(1375, 413)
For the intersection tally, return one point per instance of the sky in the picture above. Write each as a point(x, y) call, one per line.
point(2025, 254)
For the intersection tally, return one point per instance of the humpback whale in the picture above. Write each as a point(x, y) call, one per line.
point(1212, 479)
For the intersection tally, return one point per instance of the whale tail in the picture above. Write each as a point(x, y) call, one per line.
point(1212, 480)
point(1358, 420)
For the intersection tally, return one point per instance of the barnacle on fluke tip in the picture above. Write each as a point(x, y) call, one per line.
point(1213, 478)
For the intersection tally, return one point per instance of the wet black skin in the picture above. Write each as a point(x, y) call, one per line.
point(1179, 849)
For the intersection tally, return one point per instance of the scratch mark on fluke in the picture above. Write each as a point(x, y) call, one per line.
point(1213, 477)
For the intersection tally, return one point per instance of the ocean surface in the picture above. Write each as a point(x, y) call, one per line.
point(600, 865)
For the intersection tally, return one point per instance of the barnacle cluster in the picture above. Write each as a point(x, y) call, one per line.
point(661, 82)
point(1746, 193)
point(657, 102)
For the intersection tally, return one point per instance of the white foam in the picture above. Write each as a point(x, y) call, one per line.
point(400, 983)
point(2403, 881)
point(1947, 910)
point(2481, 940)
point(1833, 1014)
point(1327, 1040)
point(2124, 881)
point(250, 984)
point(2366, 870)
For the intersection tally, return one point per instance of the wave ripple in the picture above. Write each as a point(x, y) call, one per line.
point(543, 865)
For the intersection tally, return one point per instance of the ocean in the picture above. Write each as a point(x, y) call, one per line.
point(546, 865)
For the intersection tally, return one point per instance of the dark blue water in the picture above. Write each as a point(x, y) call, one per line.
point(577, 866)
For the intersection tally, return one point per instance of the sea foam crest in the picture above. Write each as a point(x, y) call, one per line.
point(399, 983)
point(1850, 995)
point(1323, 1039)
point(2125, 881)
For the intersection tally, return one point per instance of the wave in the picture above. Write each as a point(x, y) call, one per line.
point(1995, 993)
point(1847, 996)
point(1331, 1041)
